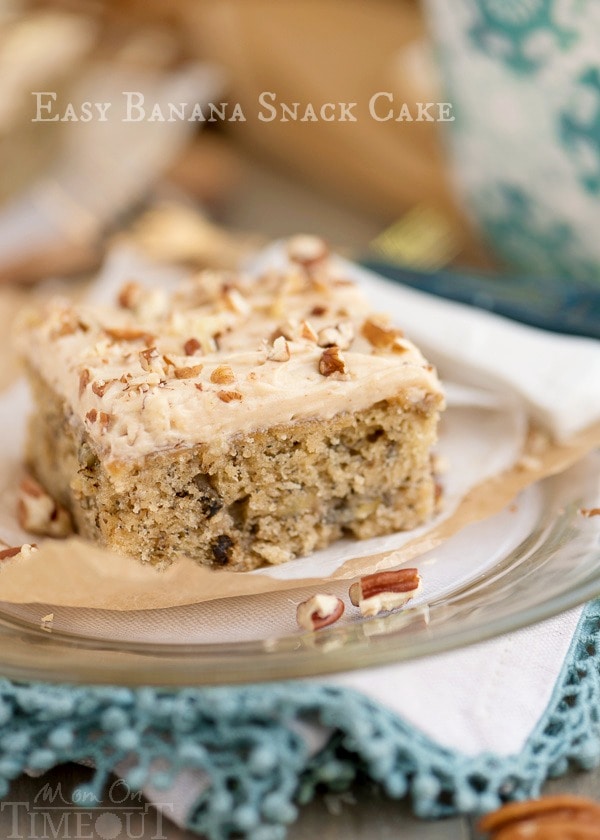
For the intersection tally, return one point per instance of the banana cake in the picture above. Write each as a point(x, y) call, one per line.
point(240, 421)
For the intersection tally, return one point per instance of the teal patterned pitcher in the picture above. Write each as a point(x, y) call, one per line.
point(524, 79)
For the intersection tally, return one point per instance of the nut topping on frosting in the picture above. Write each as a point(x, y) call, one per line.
point(332, 362)
point(307, 331)
point(149, 359)
point(130, 295)
point(191, 347)
point(129, 334)
point(84, 380)
point(38, 513)
point(236, 302)
point(99, 387)
point(342, 336)
point(280, 351)
point(241, 330)
point(188, 372)
point(378, 332)
point(229, 396)
point(222, 375)
point(307, 251)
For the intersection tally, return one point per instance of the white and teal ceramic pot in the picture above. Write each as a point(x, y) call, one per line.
point(524, 79)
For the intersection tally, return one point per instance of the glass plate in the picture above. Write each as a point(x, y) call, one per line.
point(538, 557)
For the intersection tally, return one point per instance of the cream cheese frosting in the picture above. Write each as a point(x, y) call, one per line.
point(221, 355)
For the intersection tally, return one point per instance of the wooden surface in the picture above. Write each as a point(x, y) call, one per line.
point(361, 815)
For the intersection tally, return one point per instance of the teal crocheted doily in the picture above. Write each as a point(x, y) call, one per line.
point(245, 740)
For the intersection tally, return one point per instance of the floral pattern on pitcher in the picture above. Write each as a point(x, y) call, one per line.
point(579, 128)
point(523, 77)
point(530, 237)
point(506, 28)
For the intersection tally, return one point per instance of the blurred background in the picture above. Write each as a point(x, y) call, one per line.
point(346, 180)
point(486, 192)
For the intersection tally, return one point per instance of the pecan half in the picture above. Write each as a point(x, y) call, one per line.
point(319, 611)
point(575, 817)
point(39, 513)
point(383, 591)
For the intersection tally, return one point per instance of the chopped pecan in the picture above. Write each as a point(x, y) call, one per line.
point(332, 362)
point(148, 358)
point(342, 335)
point(229, 396)
point(222, 375)
point(306, 250)
point(191, 347)
point(99, 386)
point(380, 334)
point(235, 301)
point(129, 295)
point(39, 513)
point(287, 330)
point(307, 331)
point(595, 511)
point(188, 372)
point(104, 420)
point(280, 351)
point(84, 380)
point(319, 611)
point(129, 334)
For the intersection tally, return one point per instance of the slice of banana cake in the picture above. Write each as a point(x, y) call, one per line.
point(240, 421)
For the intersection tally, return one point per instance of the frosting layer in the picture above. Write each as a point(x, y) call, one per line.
point(222, 355)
